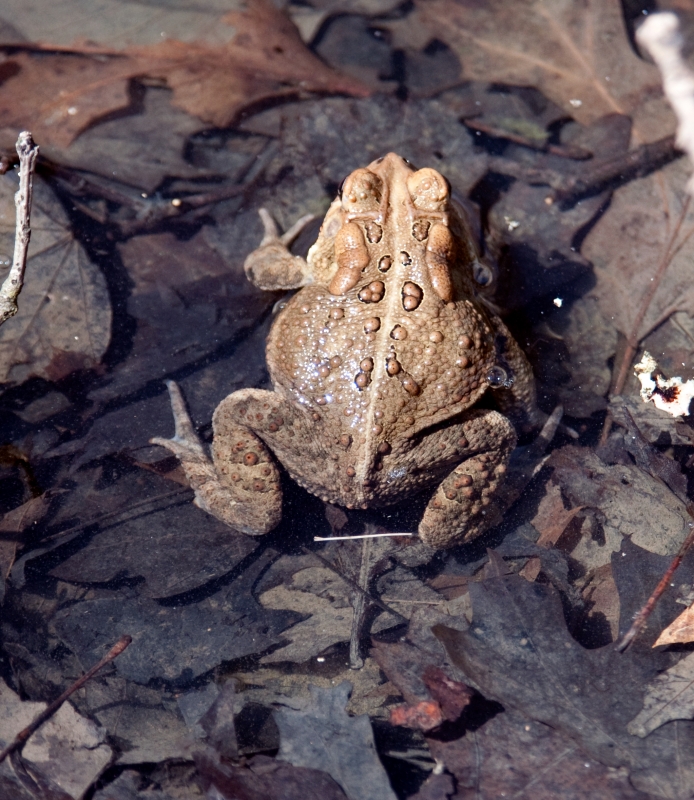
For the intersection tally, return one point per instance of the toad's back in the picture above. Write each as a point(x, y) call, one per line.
point(391, 340)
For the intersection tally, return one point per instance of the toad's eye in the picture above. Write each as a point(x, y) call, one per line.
point(378, 160)
point(407, 161)
point(342, 186)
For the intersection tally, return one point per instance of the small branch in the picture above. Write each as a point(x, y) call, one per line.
point(48, 712)
point(27, 152)
point(595, 176)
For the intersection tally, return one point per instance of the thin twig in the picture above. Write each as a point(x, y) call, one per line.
point(563, 150)
point(48, 712)
point(12, 286)
point(642, 617)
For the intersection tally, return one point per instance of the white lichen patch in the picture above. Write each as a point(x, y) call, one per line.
point(672, 395)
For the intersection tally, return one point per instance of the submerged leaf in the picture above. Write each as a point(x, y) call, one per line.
point(669, 696)
point(324, 737)
point(64, 318)
point(638, 240)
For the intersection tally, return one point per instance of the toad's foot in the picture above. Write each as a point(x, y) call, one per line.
point(242, 489)
point(465, 504)
point(271, 266)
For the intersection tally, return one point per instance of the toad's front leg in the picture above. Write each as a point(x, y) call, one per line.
point(240, 485)
point(464, 505)
point(271, 266)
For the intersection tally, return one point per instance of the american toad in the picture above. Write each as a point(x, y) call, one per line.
point(379, 364)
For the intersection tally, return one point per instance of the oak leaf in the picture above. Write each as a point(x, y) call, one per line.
point(57, 94)
point(577, 54)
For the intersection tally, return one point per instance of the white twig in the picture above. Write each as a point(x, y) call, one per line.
point(360, 536)
point(660, 35)
point(12, 286)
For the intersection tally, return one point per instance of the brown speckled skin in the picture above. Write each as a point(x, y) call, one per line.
point(374, 401)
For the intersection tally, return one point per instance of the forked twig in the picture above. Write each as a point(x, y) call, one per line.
point(12, 286)
point(22, 737)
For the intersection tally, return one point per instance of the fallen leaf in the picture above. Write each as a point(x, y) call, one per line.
point(589, 372)
point(322, 594)
point(64, 318)
point(452, 696)
point(144, 720)
point(264, 778)
point(602, 607)
point(13, 527)
point(128, 22)
point(514, 756)
point(552, 518)
point(642, 244)
point(173, 642)
point(629, 502)
point(167, 780)
point(669, 696)
point(322, 736)
point(518, 652)
point(540, 237)
point(69, 749)
point(175, 547)
point(636, 573)
point(144, 146)
point(680, 631)
point(578, 55)
point(436, 787)
point(657, 426)
point(58, 95)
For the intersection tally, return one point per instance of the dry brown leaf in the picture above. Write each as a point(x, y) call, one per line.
point(680, 631)
point(64, 318)
point(632, 240)
point(602, 601)
point(552, 519)
point(577, 54)
point(58, 95)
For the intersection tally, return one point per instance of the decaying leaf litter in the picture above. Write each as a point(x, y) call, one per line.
point(241, 645)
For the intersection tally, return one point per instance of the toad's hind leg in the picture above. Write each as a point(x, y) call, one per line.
point(464, 506)
point(240, 485)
